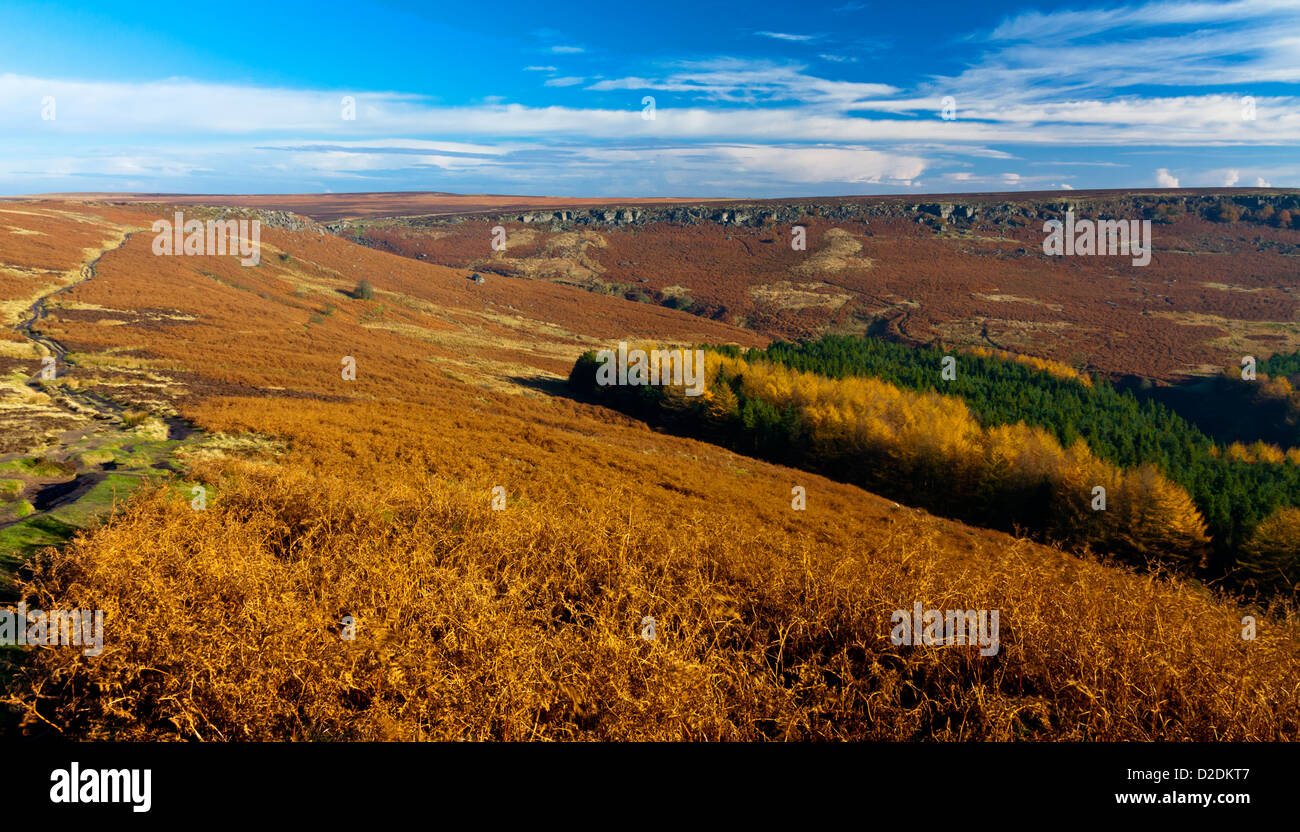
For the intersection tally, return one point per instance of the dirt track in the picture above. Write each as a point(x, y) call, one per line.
point(104, 408)
point(107, 428)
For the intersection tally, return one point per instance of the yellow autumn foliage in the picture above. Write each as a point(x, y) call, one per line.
point(1045, 365)
point(1272, 555)
point(931, 447)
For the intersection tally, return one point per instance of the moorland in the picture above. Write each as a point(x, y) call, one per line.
point(497, 536)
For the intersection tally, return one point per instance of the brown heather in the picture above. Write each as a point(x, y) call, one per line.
point(1209, 296)
point(523, 624)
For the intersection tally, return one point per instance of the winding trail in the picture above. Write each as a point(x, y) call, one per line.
point(103, 408)
point(108, 413)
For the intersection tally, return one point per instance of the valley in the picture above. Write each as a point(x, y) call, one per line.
point(498, 540)
point(964, 270)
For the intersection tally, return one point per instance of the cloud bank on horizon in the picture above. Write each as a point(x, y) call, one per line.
point(667, 100)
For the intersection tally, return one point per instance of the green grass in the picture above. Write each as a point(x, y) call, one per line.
point(26, 537)
point(31, 533)
point(96, 503)
point(22, 540)
point(140, 453)
point(35, 467)
point(89, 459)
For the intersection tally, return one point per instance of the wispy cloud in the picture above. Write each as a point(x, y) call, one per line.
point(1055, 54)
point(1070, 25)
point(1007, 179)
point(1076, 163)
point(797, 107)
point(1077, 86)
point(851, 165)
point(744, 81)
point(787, 36)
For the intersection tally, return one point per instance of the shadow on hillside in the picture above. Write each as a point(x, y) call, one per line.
point(549, 386)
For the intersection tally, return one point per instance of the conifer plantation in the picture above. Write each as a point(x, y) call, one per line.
point(1007, 442)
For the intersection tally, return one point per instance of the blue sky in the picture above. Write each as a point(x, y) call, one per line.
point(753, 99)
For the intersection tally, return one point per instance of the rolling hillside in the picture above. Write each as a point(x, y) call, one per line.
point(498, 544)
point(963, 270)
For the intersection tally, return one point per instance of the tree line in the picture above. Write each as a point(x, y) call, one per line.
point(1005, 442)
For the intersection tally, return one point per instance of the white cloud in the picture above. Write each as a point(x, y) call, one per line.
point(826, 164)
point(1044, 83)
point(393, 164)
point(741, 81)
point(1260, 183)
point(765, 163)
point(1084, 164)
point(393, 145)
point(1048, 58)
point(1068, 25)
point(818, 111)
point(1002, 180)
point(787, 36)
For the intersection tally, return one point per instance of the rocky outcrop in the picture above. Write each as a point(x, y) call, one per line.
point(288, 221)
point(754, 214)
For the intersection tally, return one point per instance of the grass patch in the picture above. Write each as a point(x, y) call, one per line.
point(22, 540)
point(35, 467)
point(90, 459)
